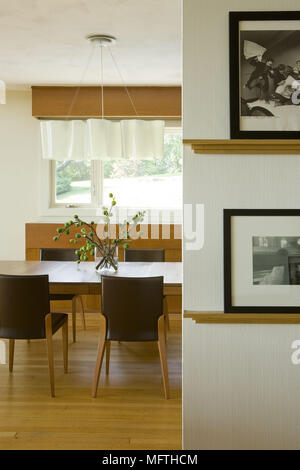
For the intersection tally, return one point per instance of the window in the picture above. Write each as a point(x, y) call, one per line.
point(155, 184)
point(73, 182)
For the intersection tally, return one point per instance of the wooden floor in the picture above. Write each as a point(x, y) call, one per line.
point(130, 411)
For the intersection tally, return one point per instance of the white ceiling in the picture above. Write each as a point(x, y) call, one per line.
point(42, 42)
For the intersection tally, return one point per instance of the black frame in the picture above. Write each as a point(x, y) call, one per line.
point(227, 214)
point(234, 60)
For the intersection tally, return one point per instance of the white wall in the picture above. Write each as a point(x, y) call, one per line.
point(206, 62)
point(235, 394)
point(19, 172)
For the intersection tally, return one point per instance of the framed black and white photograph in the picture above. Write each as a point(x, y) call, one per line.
point(262, 260)
point(264, 75)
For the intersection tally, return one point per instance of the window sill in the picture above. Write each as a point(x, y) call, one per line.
point(63, 212)
point(59, 214)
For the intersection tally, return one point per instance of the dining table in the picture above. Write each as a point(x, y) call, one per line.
point(68, 277)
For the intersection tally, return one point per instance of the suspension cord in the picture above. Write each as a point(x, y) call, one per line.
point(123, 82)
point(102, 82)
point(81, 81)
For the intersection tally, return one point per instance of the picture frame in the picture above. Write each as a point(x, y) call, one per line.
point(261, 260)
point(262, 96)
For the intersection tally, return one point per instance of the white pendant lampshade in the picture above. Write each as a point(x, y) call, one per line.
point(126, 139)
point(56, 138)
point(64, 140)
point(2, 92)
point(102, 139)
point(78, 141)
point(142, 140)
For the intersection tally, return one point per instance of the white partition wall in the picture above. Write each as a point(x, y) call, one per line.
point(19, 173)
point(240, 387)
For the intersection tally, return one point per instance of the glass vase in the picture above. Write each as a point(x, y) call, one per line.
point(107, 259)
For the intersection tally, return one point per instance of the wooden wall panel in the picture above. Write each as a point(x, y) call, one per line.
point(152, 101)
point(39, 235)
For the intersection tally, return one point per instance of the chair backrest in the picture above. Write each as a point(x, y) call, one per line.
point(58, 254)
point(155, 255)
point(24, 303)
point(132, 306)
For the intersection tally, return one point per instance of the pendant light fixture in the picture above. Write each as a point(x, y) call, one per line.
point(2, 92)
point(100, 138)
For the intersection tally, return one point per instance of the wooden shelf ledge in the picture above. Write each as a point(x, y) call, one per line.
point(237, 146)
point(247, 318)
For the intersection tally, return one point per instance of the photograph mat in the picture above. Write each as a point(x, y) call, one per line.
point(244, 293)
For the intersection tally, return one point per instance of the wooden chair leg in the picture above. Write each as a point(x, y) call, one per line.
point(65, 345)
point(74, 319)
point(163, 354)
point(48, 324)
point(166, 315)
point(11, 354)
point(107, 347)
point(168, 321)
point(82, 314)
point(100, 354)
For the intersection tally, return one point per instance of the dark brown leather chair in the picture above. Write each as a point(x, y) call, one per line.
point(132, 310)
point(146, 255)
point(25, 314)
point(64, 254)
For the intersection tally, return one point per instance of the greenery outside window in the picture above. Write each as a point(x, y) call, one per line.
point(152, 184)
point(74, 183)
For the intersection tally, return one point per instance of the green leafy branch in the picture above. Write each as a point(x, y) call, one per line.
point(106, 246)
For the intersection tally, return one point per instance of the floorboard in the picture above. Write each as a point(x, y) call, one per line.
point(130, 411)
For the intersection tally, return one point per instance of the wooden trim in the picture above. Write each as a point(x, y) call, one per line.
point(84, 102)
point(249, 146)
point(248, 318)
